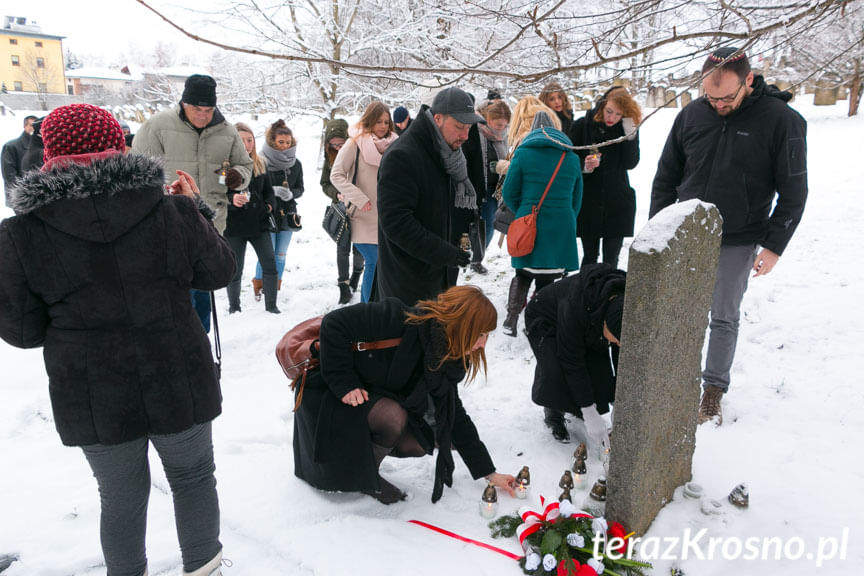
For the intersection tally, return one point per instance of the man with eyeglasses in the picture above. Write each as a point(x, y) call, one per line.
point(736, 147)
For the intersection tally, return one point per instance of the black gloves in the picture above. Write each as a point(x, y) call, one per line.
point(233, 179)
point(459, 258)
point(443, 473)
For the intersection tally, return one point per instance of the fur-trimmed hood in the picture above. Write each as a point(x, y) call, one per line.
point(97, 202)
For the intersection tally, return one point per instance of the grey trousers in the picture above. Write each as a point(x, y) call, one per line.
point(733, 272)
point(123, 474)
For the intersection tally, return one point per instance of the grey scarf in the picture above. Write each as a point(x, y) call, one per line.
point(279, 159)
point(456, 166)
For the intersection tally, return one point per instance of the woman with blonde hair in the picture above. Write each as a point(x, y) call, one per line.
point(359, 408)
point(247, 221)
point(286, 176)
point(355, 175)
point(554, 97)
point(609, 202)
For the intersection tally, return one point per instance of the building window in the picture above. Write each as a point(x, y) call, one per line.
point(18, 87)
point(38, 44)
point(13, 41)
point(40, 62)
point(70, 90)
point(15, 61)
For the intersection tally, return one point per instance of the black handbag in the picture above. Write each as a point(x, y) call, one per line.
point(336, 222)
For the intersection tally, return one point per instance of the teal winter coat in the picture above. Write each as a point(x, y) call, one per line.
point(530, 170)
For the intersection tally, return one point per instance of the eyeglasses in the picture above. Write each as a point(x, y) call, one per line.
point(725, 99)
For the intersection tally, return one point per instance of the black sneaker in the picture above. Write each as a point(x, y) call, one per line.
point(274, 310)
point(479, 268)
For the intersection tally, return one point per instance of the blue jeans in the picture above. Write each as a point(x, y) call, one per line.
point(370, 255)
point(122, 472)
point(201, 303)
point(281, 240)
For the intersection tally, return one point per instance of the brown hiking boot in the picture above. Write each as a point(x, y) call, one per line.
point(710, 408)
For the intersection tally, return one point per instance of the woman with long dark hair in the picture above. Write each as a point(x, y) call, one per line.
point(286, 176)
point(369, 397)
point(554, 96)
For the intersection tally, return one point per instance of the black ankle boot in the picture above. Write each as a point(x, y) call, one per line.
point(555, 421)
point(516, 299)
point(344, 293)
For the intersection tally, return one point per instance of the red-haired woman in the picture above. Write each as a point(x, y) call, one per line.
point(555, 98)
point(355, 175)
point(608, 201)
point(364, 405)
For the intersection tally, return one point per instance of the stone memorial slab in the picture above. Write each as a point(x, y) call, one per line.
point(670, 281)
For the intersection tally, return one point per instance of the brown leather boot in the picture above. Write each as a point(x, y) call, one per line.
point(710, 408)
point(257, 286)
point(516, 300)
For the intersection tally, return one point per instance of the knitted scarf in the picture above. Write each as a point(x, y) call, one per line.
point(456, 166)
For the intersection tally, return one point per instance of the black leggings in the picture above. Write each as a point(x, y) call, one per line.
point(611, 250)
point(388, 422)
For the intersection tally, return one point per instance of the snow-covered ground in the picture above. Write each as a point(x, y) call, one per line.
point(790, 431)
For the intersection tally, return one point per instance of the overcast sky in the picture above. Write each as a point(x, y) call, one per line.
point(95, 26)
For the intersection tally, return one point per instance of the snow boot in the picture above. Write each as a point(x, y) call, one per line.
point(257, 284)
point(516, 301)
point(233, 290)
point(709, 408)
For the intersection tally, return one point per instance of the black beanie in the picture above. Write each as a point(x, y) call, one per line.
point(614, 315)
point(200, 90)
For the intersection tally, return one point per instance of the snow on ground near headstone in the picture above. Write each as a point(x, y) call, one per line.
point(791, 423)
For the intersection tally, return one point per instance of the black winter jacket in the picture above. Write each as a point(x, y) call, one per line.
point(250, 220)
point(418, 226)
point(482, 178)
point(608, 201)
point(738, 162)
point(332, 445)
point(12, 159)
point(284, 211)
point(96, 268)
point(565, 329)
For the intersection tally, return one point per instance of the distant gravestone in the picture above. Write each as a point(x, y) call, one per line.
point(686, 98)
point(670, 281)
point(671, 98)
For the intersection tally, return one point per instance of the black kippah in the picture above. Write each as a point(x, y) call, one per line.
point(722, 54)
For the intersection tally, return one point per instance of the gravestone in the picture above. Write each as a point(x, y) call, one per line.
point(671, 98)
point(670, 281)
point(686, 98)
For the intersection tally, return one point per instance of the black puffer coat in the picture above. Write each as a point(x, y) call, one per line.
point(738, 162)
point(565, 329)
point(418, 226)
point(332, 444)
point(96, 268)
point(250, 220)
point(608, 201)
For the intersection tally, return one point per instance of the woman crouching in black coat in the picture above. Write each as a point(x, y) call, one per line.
point(369, 397)
point(571, 326)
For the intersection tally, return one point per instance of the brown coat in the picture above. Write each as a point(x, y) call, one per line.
point(364, 225)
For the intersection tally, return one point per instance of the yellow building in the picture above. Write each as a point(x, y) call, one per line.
point(30, 61)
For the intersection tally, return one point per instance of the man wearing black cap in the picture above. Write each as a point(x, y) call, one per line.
point(737, 147)
point(571, 326)
point(425, 201)
point(401, 119)
point(196, 138)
